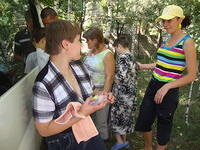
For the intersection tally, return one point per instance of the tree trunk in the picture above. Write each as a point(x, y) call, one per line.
point(82, 17)
point(160, 38)
point(109, 21)
point(138, 37)
point(188, 104)
point(68, 8)
point(34, 14)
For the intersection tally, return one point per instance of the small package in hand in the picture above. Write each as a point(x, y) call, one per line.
point(98, 99)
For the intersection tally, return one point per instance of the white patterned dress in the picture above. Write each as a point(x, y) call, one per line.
point(124, 89)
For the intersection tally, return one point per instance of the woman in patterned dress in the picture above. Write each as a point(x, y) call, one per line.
point(124, 89)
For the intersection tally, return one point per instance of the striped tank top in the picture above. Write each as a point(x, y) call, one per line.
point(170, 62)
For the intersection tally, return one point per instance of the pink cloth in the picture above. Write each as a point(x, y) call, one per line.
point(84, 129)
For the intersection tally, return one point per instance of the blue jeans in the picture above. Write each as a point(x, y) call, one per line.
point(62, 141)
point(66, 141)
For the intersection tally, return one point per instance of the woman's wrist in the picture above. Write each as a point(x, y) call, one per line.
point(81, 114)
point(168, 86)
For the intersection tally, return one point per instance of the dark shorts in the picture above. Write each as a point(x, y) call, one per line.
point(67, 141)
point(164, 112)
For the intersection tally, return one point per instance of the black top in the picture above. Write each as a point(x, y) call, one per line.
point(23, 43)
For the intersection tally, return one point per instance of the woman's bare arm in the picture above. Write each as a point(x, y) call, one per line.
point(145, 66)
point(109, 68)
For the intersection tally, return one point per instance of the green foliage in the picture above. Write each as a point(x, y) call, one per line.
point(154, 8)
point(49, 3)
point(126, 15)
point(123, 13)
point(75, 8)
point(9, 11)
point(194, 11)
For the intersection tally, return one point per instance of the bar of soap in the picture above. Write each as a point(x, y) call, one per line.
point(97, 99)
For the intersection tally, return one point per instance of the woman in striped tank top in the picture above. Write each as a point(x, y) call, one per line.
point(161, 97)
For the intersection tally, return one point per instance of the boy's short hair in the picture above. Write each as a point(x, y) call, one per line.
point(48, 12)
point(58, 31)
point(123, 41)
point(38, 34)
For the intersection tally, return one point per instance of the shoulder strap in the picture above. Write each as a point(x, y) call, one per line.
point(105, 52)
point(182, 41)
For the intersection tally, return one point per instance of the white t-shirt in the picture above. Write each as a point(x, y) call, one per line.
point(37, 58)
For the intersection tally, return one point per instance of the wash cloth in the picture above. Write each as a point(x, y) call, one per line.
point(84, 129)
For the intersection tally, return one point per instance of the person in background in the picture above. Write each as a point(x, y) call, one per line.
point(22, 42)
point(161, 97)
point(101, 65)
point(5, 82)
point(48, 15)
point(109, 44)
point(64, 81)
point(124, 89)
point(39, 57)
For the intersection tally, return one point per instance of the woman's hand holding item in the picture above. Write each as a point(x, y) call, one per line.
point(90, 106)
point(109, 95)
point(110, 98)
